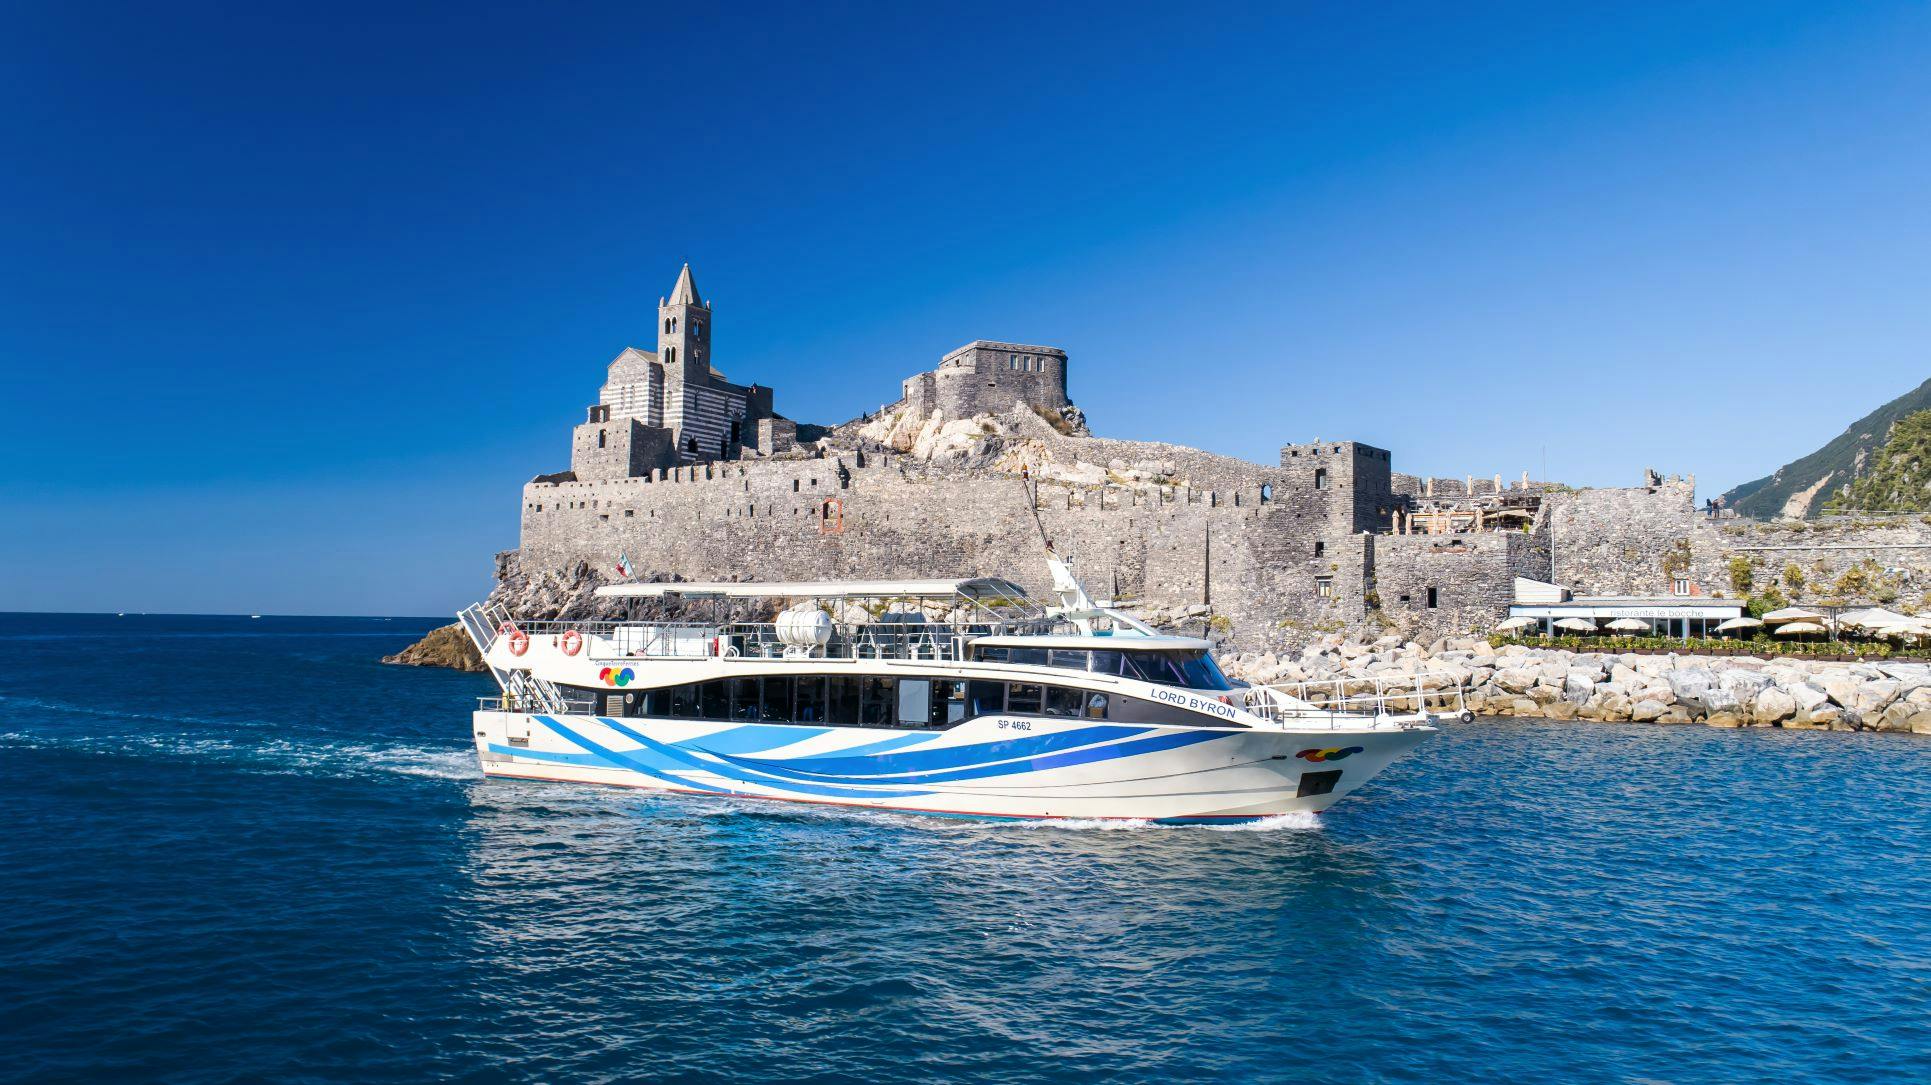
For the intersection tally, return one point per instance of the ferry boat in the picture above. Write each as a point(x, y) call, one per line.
point(954, 696)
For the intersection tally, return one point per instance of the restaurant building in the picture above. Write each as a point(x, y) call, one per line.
point(1681, 616)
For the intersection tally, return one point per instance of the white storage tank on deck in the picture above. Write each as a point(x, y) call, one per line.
point(804, 627)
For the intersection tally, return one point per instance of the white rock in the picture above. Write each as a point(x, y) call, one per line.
point(1645, 710)
point(1774, 705)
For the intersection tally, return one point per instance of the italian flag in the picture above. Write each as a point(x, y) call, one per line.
point(623, 566)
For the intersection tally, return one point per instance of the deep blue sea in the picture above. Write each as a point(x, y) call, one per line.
point(242, 849)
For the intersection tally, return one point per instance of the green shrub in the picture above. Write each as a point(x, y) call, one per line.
point(1762, 645)
point(1742, 577)
point(1793, 578)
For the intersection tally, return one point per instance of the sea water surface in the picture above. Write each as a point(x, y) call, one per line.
point(242, 849)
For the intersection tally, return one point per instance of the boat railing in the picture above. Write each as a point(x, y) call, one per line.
point(528, 702)
point(1400, 697)
point(760, 640)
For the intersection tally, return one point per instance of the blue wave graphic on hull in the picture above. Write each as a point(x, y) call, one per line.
point(879, 775)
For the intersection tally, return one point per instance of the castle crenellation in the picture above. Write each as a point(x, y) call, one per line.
point(691, 476)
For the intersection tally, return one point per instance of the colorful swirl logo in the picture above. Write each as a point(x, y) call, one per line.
point(1332, 753)
point(614, 677)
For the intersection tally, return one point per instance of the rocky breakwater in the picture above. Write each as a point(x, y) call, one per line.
point(1552, 683)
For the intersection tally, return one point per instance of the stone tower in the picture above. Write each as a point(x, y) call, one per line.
point(683, 332)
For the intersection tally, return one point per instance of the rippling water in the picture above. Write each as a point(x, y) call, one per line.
point(241, 849)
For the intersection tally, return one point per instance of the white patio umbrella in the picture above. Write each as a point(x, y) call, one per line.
point(1791, 629)
point(1791, 614)
point(1871, 618)
point(1629, 625)
point(1515, 623)
point(1738, 623)
point(1577, 625)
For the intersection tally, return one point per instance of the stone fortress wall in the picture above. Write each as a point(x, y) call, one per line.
point(986, 377)
point(951, 478)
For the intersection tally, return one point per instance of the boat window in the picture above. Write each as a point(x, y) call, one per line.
point(992, 655)
point(714, 702)
point(948, 703)
point(914, 702)
point(776, 705)
point(1189, 669)
point(1072, 659)
point(926, 701)
point(985, 698)
point(811, 699)
point(844, 702)
point(744, 699)
point(1031, 657)
point(1061, 701)
point(683, 702)
point(1024, 697)
point(1106, 662)
point(877, 710)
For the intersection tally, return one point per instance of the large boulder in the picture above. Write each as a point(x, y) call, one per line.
point(1805, 695)
point(1841, 687)
point(1579, 685)
point(1515, 679)
point(1645, 710)
point(1718, 699)
point(1745, 685)
point(1875, 696)
point(1689, 684)
point(1774, 706)
point(1913, 675)
point(1897, 717)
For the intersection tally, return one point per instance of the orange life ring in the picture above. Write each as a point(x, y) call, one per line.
point(519, 640)
point(571, 642)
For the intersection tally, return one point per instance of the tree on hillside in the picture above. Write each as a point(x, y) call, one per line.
point(1899, 477)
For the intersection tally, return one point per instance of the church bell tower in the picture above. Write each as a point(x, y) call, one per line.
point(684, 333)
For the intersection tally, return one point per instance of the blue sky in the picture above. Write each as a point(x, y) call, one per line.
point(293, 299)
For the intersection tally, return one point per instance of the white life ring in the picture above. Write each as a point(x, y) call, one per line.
point(571, 642)
point(519, 640)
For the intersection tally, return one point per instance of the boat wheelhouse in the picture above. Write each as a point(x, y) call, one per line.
point(954, 696)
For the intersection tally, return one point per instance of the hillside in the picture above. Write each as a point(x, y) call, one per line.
point(1801, 487)
point(1898, 474)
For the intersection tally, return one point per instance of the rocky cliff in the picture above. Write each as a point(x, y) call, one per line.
point(445, 646)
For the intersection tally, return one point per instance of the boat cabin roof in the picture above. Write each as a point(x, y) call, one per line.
point(1119, 642)
point(981, 589)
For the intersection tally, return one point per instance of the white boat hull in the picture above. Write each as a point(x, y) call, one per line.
point(992, 766)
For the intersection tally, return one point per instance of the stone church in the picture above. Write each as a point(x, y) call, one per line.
point(671, 406)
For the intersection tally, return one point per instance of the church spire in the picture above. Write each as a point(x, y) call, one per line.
point(685, 292)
